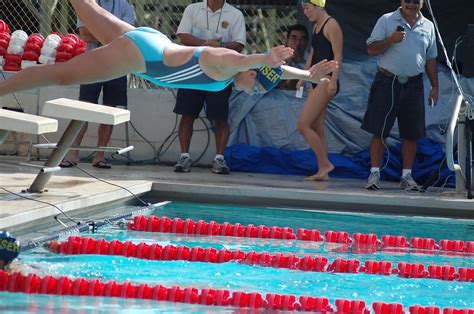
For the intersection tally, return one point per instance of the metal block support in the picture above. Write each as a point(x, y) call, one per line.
point(57, 155)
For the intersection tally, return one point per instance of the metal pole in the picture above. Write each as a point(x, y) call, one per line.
point(57, 155)
point(460, 180)
point(127, 142)
point(469, 130)
point(38, 90)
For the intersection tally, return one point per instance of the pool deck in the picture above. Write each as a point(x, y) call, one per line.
point(71, 189)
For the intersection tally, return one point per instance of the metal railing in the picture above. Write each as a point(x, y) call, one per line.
point(452, 165)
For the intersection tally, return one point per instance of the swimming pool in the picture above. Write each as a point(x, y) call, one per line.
point(234, 276)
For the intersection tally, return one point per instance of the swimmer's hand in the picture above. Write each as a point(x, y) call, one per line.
point(321, 69)
point(277, 56)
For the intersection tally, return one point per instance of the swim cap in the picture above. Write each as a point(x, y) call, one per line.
point(9, 247)
point(319, 3)
point(268, 77)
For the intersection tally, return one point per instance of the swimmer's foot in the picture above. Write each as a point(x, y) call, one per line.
point(321, 175)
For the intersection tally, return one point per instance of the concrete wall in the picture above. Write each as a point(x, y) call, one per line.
point(151, 113)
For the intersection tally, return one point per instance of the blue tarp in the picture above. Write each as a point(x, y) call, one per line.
point(264, 137)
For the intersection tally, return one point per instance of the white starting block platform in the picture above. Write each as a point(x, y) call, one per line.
point(78, 112)
point(83, 111)
point(26, 123)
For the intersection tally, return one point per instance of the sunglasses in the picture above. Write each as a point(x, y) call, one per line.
point(412, 1)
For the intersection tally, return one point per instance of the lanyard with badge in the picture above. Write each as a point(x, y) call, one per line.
point(218, 22)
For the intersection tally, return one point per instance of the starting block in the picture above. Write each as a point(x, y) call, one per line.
point(25, 123)
point(78, 112)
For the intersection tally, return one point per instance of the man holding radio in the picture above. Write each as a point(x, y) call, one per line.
point(405, 43)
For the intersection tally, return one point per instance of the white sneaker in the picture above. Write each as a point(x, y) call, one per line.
point(183, 165)
point(373, 182)
point(407, 183)
point(219, 166)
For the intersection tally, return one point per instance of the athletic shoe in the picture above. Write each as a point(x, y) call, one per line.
point(219, 166)
point(407, 183)
point(183, 165)
point(373, 182)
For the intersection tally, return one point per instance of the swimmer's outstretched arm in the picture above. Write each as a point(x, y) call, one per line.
point(232, 62)
point(314, 75)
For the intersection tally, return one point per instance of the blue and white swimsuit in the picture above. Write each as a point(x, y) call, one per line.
point(151, 44)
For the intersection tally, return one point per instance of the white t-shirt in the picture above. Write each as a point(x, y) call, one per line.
point(199, 20)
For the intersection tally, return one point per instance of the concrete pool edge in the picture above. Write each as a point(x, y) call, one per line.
point(305, 199)
point(45, 211)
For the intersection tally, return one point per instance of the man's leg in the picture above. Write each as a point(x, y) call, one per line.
point(189, 104)
point(411, 124)
point(185, 132)
point(104, 133)
point(114, 94)
point(376, 151)
point(408, 153)
point(221, 136)
point(219, 165)
point(382, 111)
point(217, 110)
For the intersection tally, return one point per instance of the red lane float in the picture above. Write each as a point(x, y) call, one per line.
point(359, 242)
point(351, 307)
point(80, 245)
point(418, 309)
point(32, 284)
point(32, 52)
point(4, 40)
point(188, 226)
point(19, 51)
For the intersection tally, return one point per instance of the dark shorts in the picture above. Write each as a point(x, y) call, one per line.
point(114, 92)
point(408, 107)
point(189, 102)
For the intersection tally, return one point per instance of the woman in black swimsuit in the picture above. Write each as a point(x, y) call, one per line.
point(326, 44)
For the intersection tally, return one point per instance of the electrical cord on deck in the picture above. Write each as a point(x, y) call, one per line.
point(87, 173)
point(47, 203)
point(110, 183)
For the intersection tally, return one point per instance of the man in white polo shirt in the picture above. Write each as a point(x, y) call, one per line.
point(212, 23)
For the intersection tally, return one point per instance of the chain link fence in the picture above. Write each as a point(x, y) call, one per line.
point(266, 21)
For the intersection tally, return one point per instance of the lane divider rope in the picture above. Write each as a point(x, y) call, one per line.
point(81, 245)
point(32, 284)
point(359, 242)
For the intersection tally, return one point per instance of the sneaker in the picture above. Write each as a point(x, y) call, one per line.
point(219, 166)
point(183, 165)
point(407, 183)
point(373, 182)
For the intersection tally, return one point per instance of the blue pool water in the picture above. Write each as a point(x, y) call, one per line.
point(234, 276)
